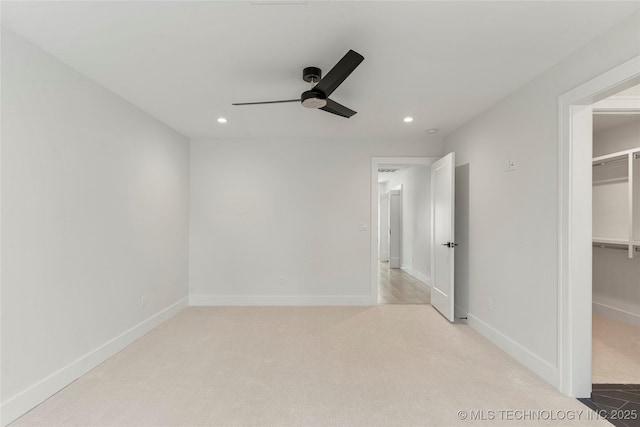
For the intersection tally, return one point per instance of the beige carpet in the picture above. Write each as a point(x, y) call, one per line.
point(388, 365)
point(616, 351)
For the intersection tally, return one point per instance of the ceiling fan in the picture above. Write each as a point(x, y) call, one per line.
point(322, 87)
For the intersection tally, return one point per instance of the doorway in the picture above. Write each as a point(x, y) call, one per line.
point(576, 224)
point(616, 250)
point(401, 227)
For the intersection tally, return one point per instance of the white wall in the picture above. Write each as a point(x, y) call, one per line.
point(616, 277)
point(94, 216)
point(511, 218)
point(266, 209)
point(416, 219)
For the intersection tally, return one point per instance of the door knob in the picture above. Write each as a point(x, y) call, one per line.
point(450, 244)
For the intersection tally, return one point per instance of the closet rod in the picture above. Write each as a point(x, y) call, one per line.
point(610, 246)
point(604, 162)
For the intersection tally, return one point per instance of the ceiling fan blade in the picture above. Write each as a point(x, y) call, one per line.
point(267, 102)
point(338, 109)
point(339, 72)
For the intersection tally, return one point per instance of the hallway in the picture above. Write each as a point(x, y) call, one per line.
point(395, 286)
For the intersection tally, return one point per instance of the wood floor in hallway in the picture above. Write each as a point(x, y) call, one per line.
point(396, 286)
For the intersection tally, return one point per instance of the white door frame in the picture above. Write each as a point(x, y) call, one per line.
point(375, 163)
point(574, 223)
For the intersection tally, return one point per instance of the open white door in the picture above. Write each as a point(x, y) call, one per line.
point(442, 235)
point(395, 227)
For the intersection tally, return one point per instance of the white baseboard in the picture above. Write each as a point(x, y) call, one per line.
point(284, 300)
point(415, 273)
point(617, 314)
point(539, 366)
point(458, 313)
point(26, 400)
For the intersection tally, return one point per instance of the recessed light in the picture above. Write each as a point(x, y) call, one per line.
point(222, 120)
point(432, 131)
point(408, 119)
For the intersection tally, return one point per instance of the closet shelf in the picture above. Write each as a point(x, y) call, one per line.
point(616, 200)
point(610, 241)
point(610, 180)
point(619, 156)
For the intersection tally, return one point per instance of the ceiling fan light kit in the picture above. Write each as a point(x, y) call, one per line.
point(318, 96)
point(313, 99)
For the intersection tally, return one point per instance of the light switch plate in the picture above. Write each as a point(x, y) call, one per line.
point(509, 165)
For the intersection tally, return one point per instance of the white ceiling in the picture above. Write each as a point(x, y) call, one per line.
point(387, 176)
point(186, 62)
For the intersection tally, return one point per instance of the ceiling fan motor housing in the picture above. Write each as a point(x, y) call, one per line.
point(313, 99)
point(311, 74)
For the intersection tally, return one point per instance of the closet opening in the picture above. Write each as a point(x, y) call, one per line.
point(616, 253)
point(575, 220)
